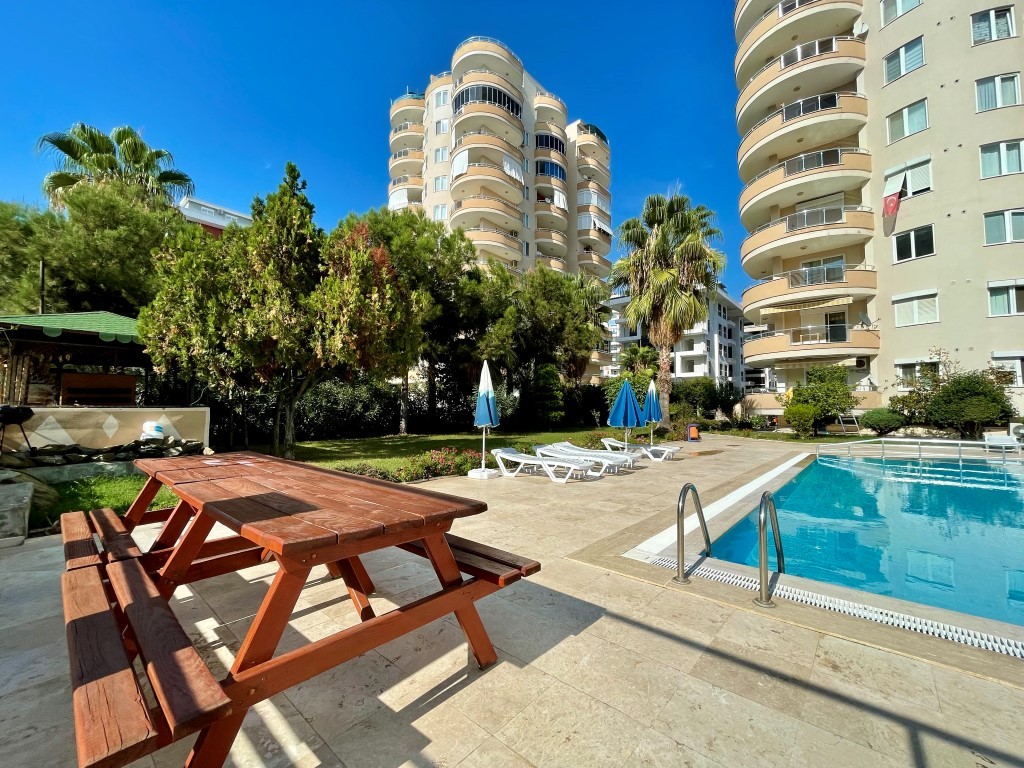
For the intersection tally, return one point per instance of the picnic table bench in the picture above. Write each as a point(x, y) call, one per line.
point(116, 596)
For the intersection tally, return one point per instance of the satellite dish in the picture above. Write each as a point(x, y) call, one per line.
point(860, 29)
point(865, 319)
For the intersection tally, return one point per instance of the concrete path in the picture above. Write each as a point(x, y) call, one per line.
point(597, 668)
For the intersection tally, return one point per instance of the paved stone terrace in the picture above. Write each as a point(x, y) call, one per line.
point(597, 668)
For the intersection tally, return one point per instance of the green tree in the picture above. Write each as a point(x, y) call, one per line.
point(882, 421)
point(727, 397)
point(280, 306)
point(85, 155)
point(802, 418)
point(827, 391)
point(671, 272)
point(19, 265)
point(699, 392)
point(968, 402)
point(637, 357)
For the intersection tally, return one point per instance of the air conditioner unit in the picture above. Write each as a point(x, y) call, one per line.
point(1017, 430)
point(861, 364)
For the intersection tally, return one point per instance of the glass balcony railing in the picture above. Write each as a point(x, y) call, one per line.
point(810, 161)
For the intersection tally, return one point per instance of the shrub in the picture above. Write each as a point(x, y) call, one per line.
point(882, 421)
point(967, 402)
point(700, 393)
point(547, 399)
point(727, 397)
point(826, 391)
point(581, 402)
point(639, 382)
point(759, 421)
point(334, 409)
point(801, 417)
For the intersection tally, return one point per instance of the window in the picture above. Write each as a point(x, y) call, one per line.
point(916, 311)
point(995, 24)
point(1000, 159)
point(1004, 227)
point(917, 177)
point(526, 221)
point(440, 212)
point(915, 244)
point(549, 168)
point(547, 141)
point(908, 121)
point(996, 92)
point(1013, 362)
point(441, 126)
point(904, 60)
point(1006, 299)
point(893, 9)
point(929, 568)
point(441, 155)
point(909, 374)
point(489, 94)
point(440, 183)
point(441, 98)
point(592, 197)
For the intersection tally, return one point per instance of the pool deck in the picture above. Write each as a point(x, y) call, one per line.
point(603, 661)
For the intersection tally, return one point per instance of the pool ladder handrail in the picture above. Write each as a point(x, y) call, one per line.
point(766, 512)
point(688, 489)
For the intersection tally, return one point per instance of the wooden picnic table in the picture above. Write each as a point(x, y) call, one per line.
point(297, 514)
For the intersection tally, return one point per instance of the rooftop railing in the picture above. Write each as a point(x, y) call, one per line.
point(496, 41)
point(591, 129)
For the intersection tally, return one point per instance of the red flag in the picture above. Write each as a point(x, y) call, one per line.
point(891, 206)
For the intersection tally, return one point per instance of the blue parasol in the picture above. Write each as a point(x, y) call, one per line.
point(625, 413)
point(486, 411)
point(652, 408)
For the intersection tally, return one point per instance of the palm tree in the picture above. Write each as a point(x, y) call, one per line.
point(637, 357)
point(671, 270)
point(85, 154)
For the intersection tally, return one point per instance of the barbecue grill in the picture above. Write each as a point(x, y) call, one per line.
point(14, 415)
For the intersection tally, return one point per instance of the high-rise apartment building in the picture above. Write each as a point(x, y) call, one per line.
point(487, 149)
point(881, 157)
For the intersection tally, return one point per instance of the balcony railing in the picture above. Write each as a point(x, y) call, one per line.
point(813, 217)
point(405, 127)
point(804, 107)
point(510, 209)
point(409, 95)
point(809, 334)
point(493, 40)
point(593, 130)
point(407, 179)
point(805, 276)
point(803, 53)
point(503, 233)
point(493, 167)
point(474, 102)
point(780, 10)
point(810, 161)
point(406, 153)
point(469, 72)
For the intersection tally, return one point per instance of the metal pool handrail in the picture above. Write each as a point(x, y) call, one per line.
point(688, 489)
point(766, 511)
point(921, 444)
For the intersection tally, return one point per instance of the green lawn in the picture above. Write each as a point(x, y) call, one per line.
point(114, 492)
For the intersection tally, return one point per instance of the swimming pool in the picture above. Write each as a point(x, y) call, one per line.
point(942, 533)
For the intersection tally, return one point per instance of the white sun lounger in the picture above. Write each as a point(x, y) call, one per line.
point(999, 442)
point(653, 452)
point(547, 465)
point(626, 459)
point(603, 463)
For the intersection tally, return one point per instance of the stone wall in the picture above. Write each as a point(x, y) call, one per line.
point(104, 427)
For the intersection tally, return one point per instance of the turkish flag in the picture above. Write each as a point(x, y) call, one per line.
point(890, 208)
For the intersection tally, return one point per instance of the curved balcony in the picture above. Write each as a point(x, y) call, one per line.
point(808, 284)
point(471, 212)
point(788, 21)
point(497, 243)
point(407, 108)
point(487, 140)
point(551, 242)
point(601, 357)
point(811, 122)
point(594, 186)
point(412, 182)
point(553, 262)
point(544, 182)
point(407, 136)
point(813, 344)
point(406, 162)
point(593, 263)
point(819, 66)
point(747, 13)
point(550, 109)
point(551, 154)
point(804, 177)
point(597, 239)
point(590, 167)
point(486, 77)
point(487, 53)
point(806, 232)
point(550, 216)
point(488, 180)
point(544, 126)
point(591, 140)
point(484, 117)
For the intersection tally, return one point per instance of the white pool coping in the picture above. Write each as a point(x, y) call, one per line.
point(655, 547)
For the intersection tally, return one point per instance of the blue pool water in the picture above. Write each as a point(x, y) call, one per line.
point(932, 532)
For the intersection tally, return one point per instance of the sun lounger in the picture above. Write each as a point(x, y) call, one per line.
point(604, 464)
point(1004, 443)
point(627, 459)
point(653, 452)
point(548, 465)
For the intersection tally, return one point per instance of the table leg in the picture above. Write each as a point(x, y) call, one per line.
point(138, 508)
point(177, 565)
point(349, 570)
point(448, 572)
point(175, 524)
point(213, 744)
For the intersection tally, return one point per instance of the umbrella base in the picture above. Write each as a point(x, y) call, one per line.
point(483, 474)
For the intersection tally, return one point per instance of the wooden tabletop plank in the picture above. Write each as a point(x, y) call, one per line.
point(191, 475)
point(152, 466)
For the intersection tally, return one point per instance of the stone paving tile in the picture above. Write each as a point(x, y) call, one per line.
point(493, 754)
point(688, 612)
point(493, 697)
point(656, 750)
point(36, 727)
point(981, 710)
point(567, 728)
point(651, 636)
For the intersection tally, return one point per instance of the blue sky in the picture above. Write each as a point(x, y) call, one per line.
point(236, 89)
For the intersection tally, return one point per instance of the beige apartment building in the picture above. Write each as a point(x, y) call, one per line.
point(845, 108)
point(486, 148)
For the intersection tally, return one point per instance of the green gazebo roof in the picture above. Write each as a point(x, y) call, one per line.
point(106, 325)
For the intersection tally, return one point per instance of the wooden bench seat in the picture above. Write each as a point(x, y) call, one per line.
point(117, 542)
point(488, 564)
point(79, 546)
